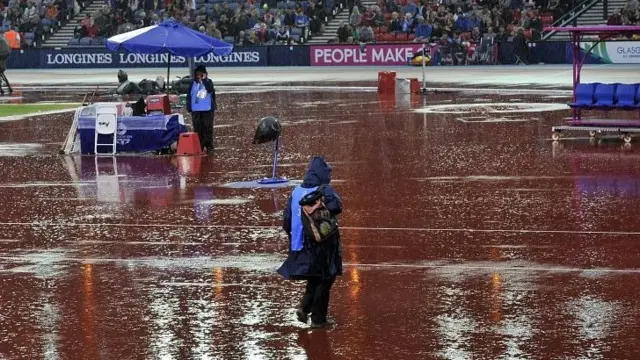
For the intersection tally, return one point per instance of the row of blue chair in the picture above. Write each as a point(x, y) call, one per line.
point(607, 96)
point(86, 41)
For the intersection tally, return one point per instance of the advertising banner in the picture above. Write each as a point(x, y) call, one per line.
point(346, 55)
point(301, 55)
point(614, 52)
point(75, 58)
point(96, 58)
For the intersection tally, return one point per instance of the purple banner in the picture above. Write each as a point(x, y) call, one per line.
point(344, 55)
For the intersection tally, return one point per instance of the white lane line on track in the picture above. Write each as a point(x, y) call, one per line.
point(213, 284)
point(498, 267)
point(160, 243)
point(35, 113)
point(408, 229)
point(456, 267)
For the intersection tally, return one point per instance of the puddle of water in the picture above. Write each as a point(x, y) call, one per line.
point(14, 149)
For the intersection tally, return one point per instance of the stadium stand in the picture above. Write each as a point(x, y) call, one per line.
point(272, 22)
point(588, 12)
point(30, 23)
point(457, 29)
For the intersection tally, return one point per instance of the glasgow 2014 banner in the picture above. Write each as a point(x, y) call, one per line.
point(610, 52)
point(384, 54)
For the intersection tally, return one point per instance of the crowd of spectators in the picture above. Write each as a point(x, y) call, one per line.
point(424, 20)
point(34, 17)
point(246, 23)
point(457, 26)
point(250, 22)
point(629, 15)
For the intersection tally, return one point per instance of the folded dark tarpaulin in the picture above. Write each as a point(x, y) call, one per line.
point(268, 130)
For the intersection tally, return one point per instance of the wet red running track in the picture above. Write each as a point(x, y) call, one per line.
point(467, 235)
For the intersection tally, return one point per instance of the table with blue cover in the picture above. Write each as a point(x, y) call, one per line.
point(136, 134)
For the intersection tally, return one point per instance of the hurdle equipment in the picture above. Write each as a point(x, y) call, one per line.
point(598, 96)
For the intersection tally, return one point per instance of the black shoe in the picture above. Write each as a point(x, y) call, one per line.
point(329, 323)
point(302, 316)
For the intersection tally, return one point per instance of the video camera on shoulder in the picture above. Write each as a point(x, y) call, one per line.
point(311, 198)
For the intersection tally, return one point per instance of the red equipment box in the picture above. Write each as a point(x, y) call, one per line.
point(158, 103)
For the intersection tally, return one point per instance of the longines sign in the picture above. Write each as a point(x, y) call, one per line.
point(100, 58)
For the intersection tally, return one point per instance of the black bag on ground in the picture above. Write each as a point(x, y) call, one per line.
point(139, 107)
point(122, 76)
point(148, 87)
point(128, 88)
point(182, 86)
point(269, 129)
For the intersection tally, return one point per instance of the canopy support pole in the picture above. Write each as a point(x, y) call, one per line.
point(166, 83)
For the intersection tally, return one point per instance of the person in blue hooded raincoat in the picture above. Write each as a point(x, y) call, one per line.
point(201, 103)
point(317, 263)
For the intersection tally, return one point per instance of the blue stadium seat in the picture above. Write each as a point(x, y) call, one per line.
point(296, 37)
point(329, 4)
point(627, 95)
point(584, 95)
point(85, 41)
point(605, 95)
point(73, 41)
point(29, 38)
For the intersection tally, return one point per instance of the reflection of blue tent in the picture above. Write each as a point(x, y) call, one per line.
point(169, 37)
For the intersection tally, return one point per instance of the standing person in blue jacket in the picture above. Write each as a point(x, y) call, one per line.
point(201, 103)
point(316, 262)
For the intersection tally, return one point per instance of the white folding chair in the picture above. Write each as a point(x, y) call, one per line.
point(106, 124)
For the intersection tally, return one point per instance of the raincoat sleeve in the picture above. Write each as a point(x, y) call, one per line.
point(211, 90)
point(188, 99)
point(332, 200)
point(286, 218)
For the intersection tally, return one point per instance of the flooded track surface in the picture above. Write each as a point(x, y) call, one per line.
point(467, 234)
